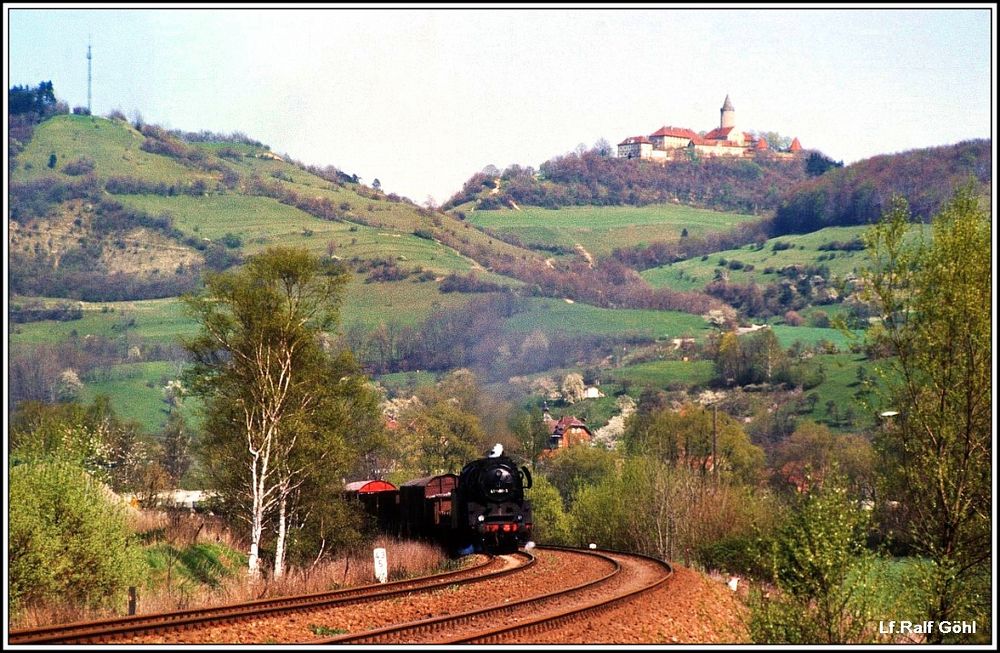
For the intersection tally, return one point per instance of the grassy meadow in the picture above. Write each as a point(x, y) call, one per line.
point(660, 374)
point(840, 386)
point(575, 317)
point(601, 229)
point(157, 320)
point(803, 249)
point(811, 336)
point(136, 393)
point(114, 146)
point(262, 222)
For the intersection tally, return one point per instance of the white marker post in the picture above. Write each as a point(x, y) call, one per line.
point(381, 565)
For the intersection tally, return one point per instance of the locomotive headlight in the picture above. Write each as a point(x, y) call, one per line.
point(481, 518)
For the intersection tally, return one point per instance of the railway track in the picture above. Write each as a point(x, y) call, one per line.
point(516, 620)
point(108, 630)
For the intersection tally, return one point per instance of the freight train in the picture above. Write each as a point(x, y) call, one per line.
point(481, 509)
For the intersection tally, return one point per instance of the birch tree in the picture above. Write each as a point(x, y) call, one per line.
point(935, 452)
point(259, 364)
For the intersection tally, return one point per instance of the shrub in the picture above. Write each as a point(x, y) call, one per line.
point(231, 240)
point(80, 166)
point(820, 566)
point(469, 283)
point(820, 319)
point(737, 554)
point(792, 318)
point(69, 540)
point(552, 524)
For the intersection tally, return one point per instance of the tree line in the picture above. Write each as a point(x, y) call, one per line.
point(861, 193)
point(474, 336)
point(608, 284)
point(591, 177)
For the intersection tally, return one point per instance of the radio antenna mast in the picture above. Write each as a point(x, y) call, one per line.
point(88, 76)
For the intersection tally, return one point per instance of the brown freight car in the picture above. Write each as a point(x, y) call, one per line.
point(425, 507)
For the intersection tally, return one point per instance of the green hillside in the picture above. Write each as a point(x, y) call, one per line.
point(817, 248)
point(601, 229)
point(149, 206)
point(113, 145)
point(554, 315)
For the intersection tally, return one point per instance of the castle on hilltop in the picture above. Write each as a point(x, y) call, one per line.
point(669, 143)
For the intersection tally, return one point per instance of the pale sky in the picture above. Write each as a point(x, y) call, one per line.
point(423, 98)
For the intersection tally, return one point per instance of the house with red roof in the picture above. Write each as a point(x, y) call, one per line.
point(567, 431)
point(669, 137)
point(635, 147)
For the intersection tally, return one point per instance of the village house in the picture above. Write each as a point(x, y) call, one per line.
point(669, 143)
point(566, 431)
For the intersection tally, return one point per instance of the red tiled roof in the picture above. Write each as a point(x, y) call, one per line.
point(564, 424)
point(761, 144)
point(718, 134)
point(795, 146)
point(677, 132)
point(634, 139)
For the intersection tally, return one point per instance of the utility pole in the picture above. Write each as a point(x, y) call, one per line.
point(715, 437)
point(89, 108)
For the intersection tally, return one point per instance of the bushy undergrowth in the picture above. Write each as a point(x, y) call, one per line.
point(69, 540)
point(179, 561)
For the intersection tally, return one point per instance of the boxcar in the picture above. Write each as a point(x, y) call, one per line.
point(425, 507)
point(380, 499)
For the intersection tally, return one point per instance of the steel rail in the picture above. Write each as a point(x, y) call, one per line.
point(438, 623)
point(102, 630)
point(541, 624)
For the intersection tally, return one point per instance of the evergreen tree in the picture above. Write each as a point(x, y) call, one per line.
point(40, 100)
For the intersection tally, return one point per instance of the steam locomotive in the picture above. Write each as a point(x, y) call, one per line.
point(482, 509)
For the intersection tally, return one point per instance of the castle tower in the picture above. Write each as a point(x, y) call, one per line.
point(728, 118)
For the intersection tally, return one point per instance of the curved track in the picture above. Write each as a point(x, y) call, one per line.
point(627, 576)
point(109, 630)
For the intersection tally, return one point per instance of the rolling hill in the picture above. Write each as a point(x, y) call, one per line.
point(110, 222)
